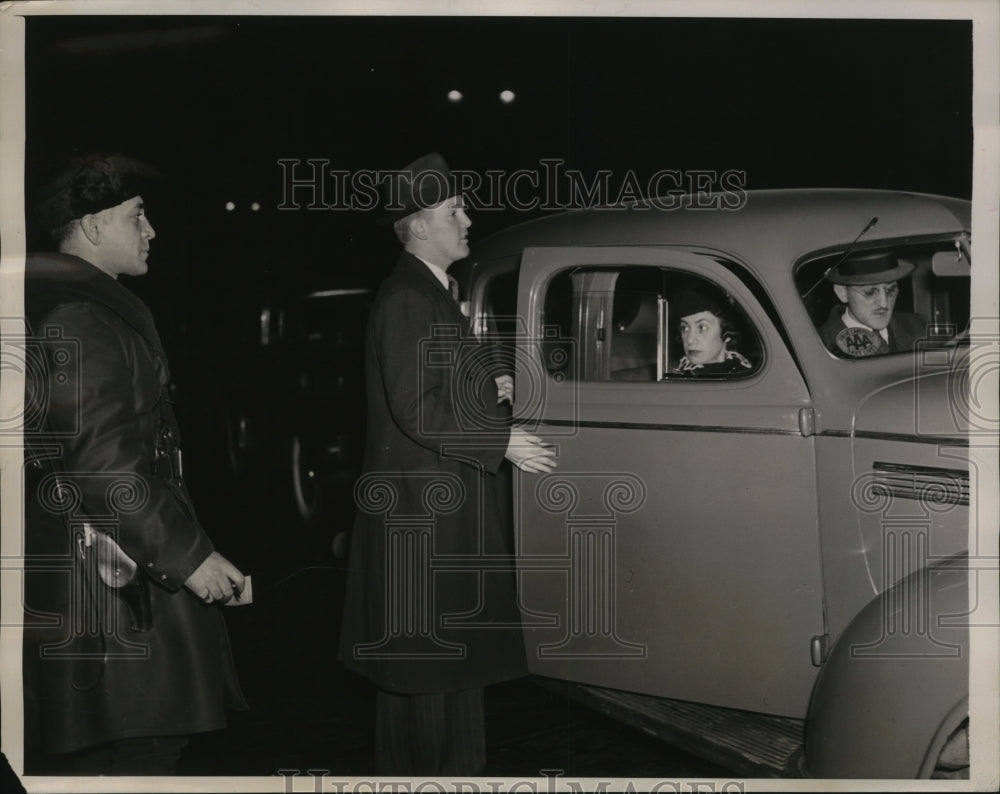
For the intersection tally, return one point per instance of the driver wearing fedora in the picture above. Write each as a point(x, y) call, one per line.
point(865, 323)
point(428, 630)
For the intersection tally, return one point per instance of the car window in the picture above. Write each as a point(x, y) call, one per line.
point(499, 311)
point(645, 324)
point(335, 319)
point(888, 299)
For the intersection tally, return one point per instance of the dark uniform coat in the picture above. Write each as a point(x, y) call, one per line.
point(101, 448)
point(431, 599)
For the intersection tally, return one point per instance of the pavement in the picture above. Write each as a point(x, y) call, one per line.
point(309, 713)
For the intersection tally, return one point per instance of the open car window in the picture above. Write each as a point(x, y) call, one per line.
point(645, 324)
point(927, 304)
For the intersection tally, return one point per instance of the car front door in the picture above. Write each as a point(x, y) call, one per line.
point(675, 550)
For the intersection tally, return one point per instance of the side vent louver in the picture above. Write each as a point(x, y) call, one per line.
point(925, 483)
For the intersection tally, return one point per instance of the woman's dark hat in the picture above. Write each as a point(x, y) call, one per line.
point(87, 185)
point(424, 183)
point(695, 301)
point(879, 268)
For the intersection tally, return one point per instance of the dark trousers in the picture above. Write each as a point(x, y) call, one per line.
point(440, 735)
point(142, 755)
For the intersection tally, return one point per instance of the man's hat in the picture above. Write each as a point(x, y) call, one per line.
point(88, 185)
point(695, 301)
point(878, 268)
point(424, 183)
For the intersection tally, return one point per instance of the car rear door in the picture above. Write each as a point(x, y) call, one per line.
point(675, 549)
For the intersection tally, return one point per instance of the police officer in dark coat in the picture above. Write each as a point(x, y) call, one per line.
point(125, 649)
point(431, 613)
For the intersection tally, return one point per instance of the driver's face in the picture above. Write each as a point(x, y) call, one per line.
point(871, 304)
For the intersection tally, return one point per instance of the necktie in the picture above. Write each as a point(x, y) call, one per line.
point(453, 286)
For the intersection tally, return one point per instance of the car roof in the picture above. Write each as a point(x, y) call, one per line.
point(772, 228)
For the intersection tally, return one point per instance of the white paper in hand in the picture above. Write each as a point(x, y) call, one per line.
point(245, 597)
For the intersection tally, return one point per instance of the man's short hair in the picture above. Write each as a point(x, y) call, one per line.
point(402, 226)
point(62, 233)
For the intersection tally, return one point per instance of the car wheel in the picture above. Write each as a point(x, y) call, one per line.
point(953, 761)
point(307, 487)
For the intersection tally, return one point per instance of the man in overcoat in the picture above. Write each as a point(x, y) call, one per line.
point(125, 649)
point(431, 613)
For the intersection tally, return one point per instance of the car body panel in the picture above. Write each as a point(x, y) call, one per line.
point(932, 396)
point(726, 603)
point(875, 683)
point(709, 541)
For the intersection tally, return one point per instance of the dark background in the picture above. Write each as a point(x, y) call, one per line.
point(214, 102)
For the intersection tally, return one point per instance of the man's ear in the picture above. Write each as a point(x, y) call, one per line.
point(418, 227)
point(91, 228)
point(841, 292)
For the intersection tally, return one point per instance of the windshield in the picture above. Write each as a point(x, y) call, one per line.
point(885, 299)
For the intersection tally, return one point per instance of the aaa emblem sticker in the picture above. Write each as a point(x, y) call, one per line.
point(860, 342)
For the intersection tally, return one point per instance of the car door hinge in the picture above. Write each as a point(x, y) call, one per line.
point(819, 648)
point(807, 421)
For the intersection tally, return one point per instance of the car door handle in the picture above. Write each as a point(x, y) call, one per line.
point(807, 421)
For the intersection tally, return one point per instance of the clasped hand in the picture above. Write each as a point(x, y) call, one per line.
point(216, 579)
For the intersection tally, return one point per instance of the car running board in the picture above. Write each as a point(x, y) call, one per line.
point(747, 743)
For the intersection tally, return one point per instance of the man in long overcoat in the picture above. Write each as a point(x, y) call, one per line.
point(125, 650)
point(431, 613)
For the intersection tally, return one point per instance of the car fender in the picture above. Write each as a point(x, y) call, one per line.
point(896, 683)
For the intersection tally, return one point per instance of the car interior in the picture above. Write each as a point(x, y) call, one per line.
point(938, 289)
point(637, 299)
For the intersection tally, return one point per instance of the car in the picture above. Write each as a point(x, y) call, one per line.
point(771, 557)
point(295, 404)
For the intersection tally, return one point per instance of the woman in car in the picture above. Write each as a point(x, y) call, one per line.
point(708, 335)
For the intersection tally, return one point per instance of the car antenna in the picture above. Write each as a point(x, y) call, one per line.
point(847, 253)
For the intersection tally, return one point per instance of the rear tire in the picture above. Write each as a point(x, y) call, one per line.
point(953, 760)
